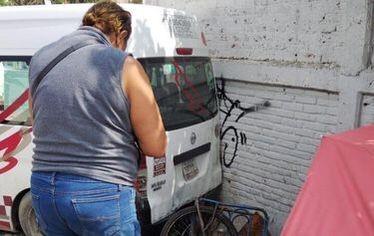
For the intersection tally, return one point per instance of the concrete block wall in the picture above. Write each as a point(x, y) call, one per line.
point(367, 112)
point(312, 60)
point(329, 32)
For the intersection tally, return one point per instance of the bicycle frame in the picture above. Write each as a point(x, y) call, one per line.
point(233, 212)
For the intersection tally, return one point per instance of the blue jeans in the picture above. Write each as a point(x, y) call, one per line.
point(68, 204)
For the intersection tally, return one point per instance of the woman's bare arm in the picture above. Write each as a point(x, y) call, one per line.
point(30, 110)
point(145, 115)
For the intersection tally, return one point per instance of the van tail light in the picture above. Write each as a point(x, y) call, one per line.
point(143, 162)
point(141, 181)
point(184, 51)
point(203, 39)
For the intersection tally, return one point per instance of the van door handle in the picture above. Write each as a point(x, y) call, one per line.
point(190, 154)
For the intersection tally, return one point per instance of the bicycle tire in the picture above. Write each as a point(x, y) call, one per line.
point(192, 211)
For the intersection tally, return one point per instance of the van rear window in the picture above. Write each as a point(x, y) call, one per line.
point(184, 88)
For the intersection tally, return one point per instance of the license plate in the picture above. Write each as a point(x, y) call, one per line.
point(189, 170)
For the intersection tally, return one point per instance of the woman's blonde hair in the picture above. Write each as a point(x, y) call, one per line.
point(109, 17)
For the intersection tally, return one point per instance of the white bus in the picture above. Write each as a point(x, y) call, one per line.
point(173, 52)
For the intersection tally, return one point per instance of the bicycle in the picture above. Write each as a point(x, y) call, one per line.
point(213, 218)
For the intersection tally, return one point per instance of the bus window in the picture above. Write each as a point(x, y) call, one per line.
point(13, 82)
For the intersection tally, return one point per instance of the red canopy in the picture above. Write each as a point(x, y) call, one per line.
point(338, 195)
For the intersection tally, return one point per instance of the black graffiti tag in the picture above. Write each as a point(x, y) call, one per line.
point(229, 105)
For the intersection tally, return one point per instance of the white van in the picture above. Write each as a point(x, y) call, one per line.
point(172, 50)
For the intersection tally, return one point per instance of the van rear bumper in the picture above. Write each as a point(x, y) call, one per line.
point(144, 210)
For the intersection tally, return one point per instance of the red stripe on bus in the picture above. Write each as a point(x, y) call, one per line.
point(4, 225)
point(8, 200)
point(2, 210)
point(10, 144)
point(12, 162)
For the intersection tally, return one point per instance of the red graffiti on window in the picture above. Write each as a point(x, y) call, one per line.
point(193, 96)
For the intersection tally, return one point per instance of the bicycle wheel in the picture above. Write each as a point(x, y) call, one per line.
point(186, 223)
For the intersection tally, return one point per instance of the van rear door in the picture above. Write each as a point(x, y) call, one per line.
point(185, 91)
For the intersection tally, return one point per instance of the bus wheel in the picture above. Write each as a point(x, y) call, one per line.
point(27, 218)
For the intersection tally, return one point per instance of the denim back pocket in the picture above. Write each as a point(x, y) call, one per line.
point(39, 218)
point(98, 215)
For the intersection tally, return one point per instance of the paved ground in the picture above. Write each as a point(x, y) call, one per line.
point(144, 233)
point(152, 232)
point(8, 234)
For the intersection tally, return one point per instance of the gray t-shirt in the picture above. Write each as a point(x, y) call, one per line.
point(81, 114)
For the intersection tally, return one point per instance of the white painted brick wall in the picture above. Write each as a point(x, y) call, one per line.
point(367, 110)
point(281, 140)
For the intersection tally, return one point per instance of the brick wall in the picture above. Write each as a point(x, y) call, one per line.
point(271, 163)
point(311, 60)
